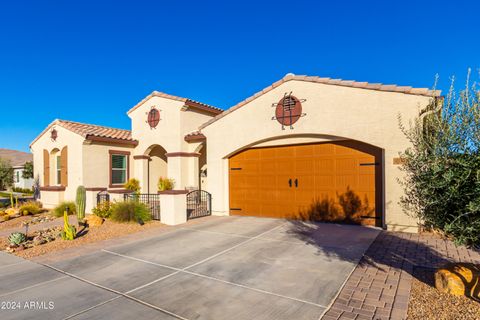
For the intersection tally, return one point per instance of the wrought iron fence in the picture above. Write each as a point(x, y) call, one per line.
point(102, 196)
point(199, 204)
point(151, 200)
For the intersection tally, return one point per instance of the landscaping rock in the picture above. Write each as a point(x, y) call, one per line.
point(4, 218)
point(459, 279)
point(39, 240)
point(93, 220)
point(39, 219)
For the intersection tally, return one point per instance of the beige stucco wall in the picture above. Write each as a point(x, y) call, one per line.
point(175, 123)
point(96, 164)
point(88, 165)
point(332, 112)
point(75, 168)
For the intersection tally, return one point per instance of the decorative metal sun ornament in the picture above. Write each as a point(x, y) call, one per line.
point(53, 134)
point(288, 110)
point(153, 117)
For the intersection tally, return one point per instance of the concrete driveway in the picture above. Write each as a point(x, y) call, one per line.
point(223, 268)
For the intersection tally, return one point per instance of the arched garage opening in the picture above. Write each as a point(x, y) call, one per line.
point(337, 181)
point(157, 166)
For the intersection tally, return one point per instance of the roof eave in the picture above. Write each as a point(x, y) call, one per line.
point(327, 81)
point(109, 140)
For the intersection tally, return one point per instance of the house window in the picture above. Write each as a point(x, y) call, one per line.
point(17, 176)
point(119, 168)
point(59, 170)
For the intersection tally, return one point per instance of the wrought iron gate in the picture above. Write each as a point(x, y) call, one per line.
point(199, 204)
point(102, 196)
point(151, 200)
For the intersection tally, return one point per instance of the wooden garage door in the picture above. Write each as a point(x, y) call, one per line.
point(330, 182)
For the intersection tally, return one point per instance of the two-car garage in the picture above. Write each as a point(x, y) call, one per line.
point(323, 181)
point(316, 149)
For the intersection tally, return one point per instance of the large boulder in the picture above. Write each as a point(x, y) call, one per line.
point(460, 279)
point(93, 220)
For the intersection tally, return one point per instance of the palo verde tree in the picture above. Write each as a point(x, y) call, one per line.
point(6, 174)
point(442, 166)
point(28, 170)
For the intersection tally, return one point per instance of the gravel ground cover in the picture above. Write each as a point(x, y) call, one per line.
point(427, 303)
point(107, 230)
point(18, 222)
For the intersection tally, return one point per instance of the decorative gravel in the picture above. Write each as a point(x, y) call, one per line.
point(18, 222)
point(107, 230)
point(427, 303)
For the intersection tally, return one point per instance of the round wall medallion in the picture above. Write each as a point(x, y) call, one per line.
point(53, 135)
point(153, 118)
point(288, 110)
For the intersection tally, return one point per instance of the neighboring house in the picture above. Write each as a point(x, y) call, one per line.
point(18, 160)
point(287, 151)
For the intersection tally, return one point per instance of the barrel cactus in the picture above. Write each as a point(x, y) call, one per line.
point(69, 232)
point(17, 238)
point(80, 203)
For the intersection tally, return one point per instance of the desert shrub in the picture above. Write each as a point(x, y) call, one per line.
point(347, 207)
point(442, 166)
point(58, 210)
point(130, 211)
point(103, 209)
point(165, 184)
point(132, 185)
point(22, 190)
point(30, 207)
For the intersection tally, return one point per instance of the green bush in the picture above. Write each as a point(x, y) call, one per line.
point(30, 207)
point(58, 210)
point(103, 210)
point(129, 211)
point(442, 167)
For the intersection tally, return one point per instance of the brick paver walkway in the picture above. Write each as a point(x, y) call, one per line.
point(379, 287)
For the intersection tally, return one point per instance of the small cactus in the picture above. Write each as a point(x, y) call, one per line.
point(69, 232)
point(80, 203)
point(17, 238)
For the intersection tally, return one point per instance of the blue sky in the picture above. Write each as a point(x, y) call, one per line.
point(90, 61)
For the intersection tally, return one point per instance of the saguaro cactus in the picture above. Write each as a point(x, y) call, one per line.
point(80, 203)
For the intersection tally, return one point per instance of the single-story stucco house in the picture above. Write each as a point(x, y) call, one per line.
point(299, 146)
point(18, 159)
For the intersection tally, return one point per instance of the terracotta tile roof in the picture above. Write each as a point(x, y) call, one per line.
point(93, 132)
point(189, 103)
point(86, 130)
point(338, 82)
point(194, 136)
point(16, 158)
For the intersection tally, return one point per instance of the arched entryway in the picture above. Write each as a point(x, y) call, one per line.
point(338, 181)
point(157, 167)
point(202, 166)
